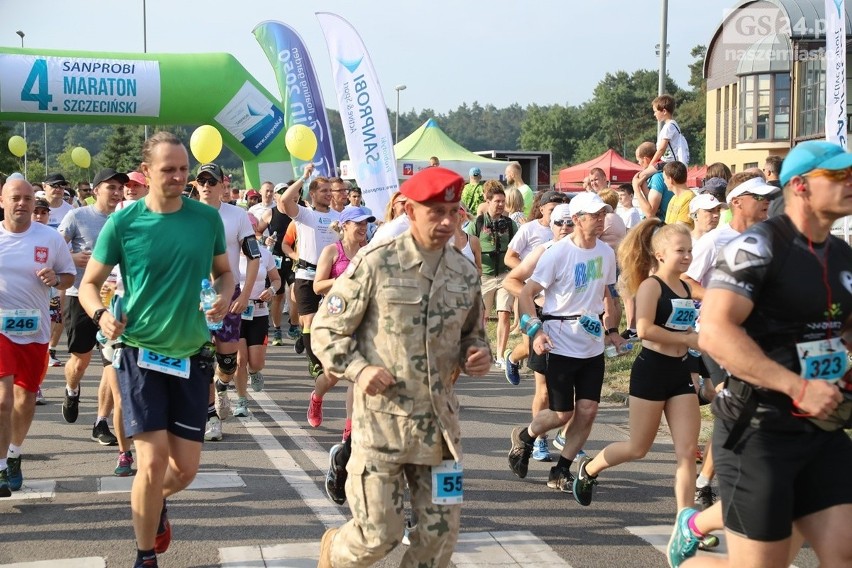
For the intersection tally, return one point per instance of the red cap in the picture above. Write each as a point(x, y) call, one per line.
point(434, 184)
point(252, 193)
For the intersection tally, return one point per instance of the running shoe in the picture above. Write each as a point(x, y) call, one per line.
point(102, 435)
point(276, 338)
point(580, 455)
point(584, 484)
point(241, 408)
point(147, 562)
point(294, 332)
point(5, 489)
point(559, 441)
point(500, 364)
point(314, 369)
point(52, 360)
point(629, 334)
point(561, 479)
point(315, 411)
point(699, 457)
point(164, 531)
point(299, 346)
point(71, 407)
point(705, 497)
point(512, 370)
point(683, 543)
point(540, 451)
point(40, 401)
point(223, 404)
point(519, 455)
point(335, 479)
point(13, 471)
point(213, 432)
point(124, 468)
point(256, 381)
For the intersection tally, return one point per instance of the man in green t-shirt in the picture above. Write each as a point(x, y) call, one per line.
point(515, 178)
point(494, 231)
point(165, 245)
point(473, 193)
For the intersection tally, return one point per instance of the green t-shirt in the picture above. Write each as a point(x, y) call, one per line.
point(472, 195)
point(529, 197)
point(494, 242)
point(163, 259)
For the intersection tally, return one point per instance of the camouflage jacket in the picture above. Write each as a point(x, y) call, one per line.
point(388, 309)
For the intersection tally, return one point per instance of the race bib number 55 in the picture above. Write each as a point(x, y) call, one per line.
point(447, 483)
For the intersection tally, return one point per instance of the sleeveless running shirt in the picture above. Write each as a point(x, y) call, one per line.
point(339, 266)
point(674, 313)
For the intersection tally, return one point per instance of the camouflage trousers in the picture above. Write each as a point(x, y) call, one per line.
point(375, 491)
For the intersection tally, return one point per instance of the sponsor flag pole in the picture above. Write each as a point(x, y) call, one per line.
point(836, 126)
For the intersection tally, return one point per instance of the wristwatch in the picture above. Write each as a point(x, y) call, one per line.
point(97, 317)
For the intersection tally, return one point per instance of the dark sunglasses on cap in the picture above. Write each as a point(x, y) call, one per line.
point(209, 182)
point(564, 222)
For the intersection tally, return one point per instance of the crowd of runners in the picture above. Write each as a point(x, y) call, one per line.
point(733, 294)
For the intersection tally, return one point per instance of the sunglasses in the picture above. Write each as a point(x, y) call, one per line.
point(62, 185)
point(756, 197)
point(563, 223)
point(833, 175)
point(209, 182)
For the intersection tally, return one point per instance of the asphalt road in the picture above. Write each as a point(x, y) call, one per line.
point(262, 503)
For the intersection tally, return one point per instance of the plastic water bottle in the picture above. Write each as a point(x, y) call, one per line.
point(694, 352)
point(274, 237)
point(208, 297)
point(611, 351)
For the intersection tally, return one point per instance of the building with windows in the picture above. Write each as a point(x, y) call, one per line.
point(766, 80)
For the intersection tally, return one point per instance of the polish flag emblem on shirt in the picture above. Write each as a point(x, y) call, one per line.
point(41, 255)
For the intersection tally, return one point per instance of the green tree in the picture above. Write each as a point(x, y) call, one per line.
point(692, 107)
point(122, 151)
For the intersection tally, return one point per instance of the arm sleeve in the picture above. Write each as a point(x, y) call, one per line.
point(743, 264)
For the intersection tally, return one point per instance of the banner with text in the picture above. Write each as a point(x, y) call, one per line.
point(363, 112)
point(835, 72)
point(300, 90)
point(73, 85)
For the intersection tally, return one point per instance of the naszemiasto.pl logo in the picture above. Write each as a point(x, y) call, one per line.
point(748, 34)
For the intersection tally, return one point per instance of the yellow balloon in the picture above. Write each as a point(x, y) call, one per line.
point(205, 143)
point(81, 157)
point(18, 146)
point(301, 142)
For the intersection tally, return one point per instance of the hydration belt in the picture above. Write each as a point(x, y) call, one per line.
point(304, 264)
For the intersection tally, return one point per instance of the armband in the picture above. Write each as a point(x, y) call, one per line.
point(251, 248)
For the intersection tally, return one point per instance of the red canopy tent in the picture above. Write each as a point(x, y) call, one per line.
point(617, 170)
point(695, 176)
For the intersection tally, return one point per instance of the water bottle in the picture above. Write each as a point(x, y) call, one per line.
point(274, 237)
point(208, 297)
point(694, 352)
point(626, 347)
point(611, 351)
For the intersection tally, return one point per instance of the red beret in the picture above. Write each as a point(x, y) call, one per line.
point(433, 184)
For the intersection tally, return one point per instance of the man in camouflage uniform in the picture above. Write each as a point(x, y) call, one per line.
point(397, 323)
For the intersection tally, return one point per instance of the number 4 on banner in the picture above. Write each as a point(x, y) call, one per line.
point(42, 96)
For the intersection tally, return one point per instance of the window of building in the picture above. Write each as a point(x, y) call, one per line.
point(764, 107)
point(749, 165)
point(811, 104)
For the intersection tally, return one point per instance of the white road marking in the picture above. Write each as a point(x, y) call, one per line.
point(35, 489)
point(203, 480)
point(510, 549)
point(90, 562)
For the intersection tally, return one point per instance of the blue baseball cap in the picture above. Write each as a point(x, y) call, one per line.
point(813, 155)
point(475, 172)
point(356, 214)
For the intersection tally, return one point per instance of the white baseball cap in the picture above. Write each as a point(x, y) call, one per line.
point(705, 201)
point(757, 186)
point(588, 202)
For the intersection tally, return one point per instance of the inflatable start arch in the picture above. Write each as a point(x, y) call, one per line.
point(132, 88)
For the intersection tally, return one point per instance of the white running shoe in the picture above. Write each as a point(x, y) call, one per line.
point(223, 405)
point(241, 408)
point(213, 433)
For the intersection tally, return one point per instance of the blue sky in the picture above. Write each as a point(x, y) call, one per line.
point(446, 52)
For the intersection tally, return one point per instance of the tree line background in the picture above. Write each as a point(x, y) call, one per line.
point(617, 116)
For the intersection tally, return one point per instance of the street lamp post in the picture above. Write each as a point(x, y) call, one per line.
point(664, 19)
point(21, 34)
point(398, 88)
